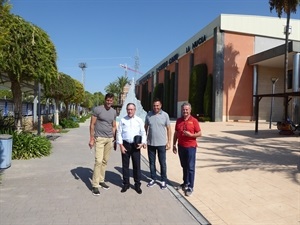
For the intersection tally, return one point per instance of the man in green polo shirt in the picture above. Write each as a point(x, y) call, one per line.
point(157, 126)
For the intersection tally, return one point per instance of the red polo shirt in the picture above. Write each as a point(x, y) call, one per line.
point(191, 125)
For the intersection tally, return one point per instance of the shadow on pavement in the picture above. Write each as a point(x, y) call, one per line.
point(232, 155)
point(84, 174)
point(261, 134)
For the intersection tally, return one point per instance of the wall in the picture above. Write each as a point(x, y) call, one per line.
point(238, 81)
point(265, 87)
point(183, 78)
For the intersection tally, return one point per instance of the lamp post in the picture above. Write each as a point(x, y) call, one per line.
point(274, 80)
point(39, 110)
point(83, 66)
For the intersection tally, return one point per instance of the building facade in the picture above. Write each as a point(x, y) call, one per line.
point(242, 53)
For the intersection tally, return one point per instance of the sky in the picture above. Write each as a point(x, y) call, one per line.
point(106, 33)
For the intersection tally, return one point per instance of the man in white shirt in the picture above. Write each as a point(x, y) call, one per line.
point(130, 127)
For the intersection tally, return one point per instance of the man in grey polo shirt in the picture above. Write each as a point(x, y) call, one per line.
point(102, 134)
point(157, 126)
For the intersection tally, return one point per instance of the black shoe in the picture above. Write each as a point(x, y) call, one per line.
point(104, 185)
point(124, 188)
point(181, 186)
point(138, 190)
point(95, 191)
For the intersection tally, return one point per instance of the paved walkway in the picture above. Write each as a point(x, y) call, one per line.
point(56, 190)
point(242, 178)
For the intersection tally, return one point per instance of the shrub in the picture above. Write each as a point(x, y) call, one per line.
point(27, 146)
point(7, 124)
point(68, 123)
point(197, 85)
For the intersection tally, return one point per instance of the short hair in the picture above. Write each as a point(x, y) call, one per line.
point(186, 104)
point(157, 100)
point(130, 104)
point(109, 95)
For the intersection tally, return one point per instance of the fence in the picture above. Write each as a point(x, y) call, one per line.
point(7, 108)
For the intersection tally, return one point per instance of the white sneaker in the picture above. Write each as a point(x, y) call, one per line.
point(163, 185)
point(188, 192)
point(151, 183)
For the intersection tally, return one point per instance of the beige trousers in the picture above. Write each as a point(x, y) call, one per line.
point(103, 148)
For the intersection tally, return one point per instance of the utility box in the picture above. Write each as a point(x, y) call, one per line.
point(5, 151)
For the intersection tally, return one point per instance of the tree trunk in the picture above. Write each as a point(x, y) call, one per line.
point(17, 98)
point(286, 68)
point(67, 110)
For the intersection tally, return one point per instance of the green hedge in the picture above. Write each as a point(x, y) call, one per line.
point(197, 87)
point(27, 146)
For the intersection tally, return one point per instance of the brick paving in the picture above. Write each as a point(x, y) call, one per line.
point(55, 190)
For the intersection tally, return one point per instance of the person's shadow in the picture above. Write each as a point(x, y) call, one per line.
point(145, 176)
point(115, 178)
point(83, 174)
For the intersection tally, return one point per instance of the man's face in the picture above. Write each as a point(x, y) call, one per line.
point(130, 110)
point(109, 102)
point(186, 111)
point(156, 107)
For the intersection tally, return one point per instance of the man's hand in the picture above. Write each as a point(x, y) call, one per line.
point(91, 143)
point(123, 149)
point(174, 149)
point(168, 146)
point(141, 146)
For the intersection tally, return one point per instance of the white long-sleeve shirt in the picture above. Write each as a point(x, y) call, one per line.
point(129, 127)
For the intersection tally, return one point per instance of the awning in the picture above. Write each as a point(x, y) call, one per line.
point(274, 57)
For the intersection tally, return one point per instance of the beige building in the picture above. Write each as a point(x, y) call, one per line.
point(243, 54)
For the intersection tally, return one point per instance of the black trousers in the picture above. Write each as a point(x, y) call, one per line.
point(135, 155)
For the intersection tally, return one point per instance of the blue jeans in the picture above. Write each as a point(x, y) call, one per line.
point(187, 158)
point(161, 150)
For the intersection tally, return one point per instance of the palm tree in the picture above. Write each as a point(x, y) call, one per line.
point(288, 7)
point(121, 82)
point(117, 87)
point(112, 88)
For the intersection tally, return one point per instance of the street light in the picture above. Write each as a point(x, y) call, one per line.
point(82, 66)
point(274, 80)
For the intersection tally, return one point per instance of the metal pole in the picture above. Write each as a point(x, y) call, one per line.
point(274, 80)
point(39, 109)
point(83, 66)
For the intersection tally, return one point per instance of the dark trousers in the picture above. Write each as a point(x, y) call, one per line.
point(187, 158)
point(135, 155)
point(161, 151)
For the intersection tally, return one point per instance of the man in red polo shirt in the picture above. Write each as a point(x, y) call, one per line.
point(187, 129)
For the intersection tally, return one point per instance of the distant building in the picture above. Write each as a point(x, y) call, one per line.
point(242, 54)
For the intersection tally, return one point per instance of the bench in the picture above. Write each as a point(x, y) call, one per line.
point(48, 128)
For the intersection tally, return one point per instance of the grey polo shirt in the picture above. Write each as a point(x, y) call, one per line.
point(157, 124)
point(105, 118)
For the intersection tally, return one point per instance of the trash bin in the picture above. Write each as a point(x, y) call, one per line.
point(5, 150)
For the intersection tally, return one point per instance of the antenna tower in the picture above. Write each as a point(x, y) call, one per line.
point(136, 63)
point(82, 66)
